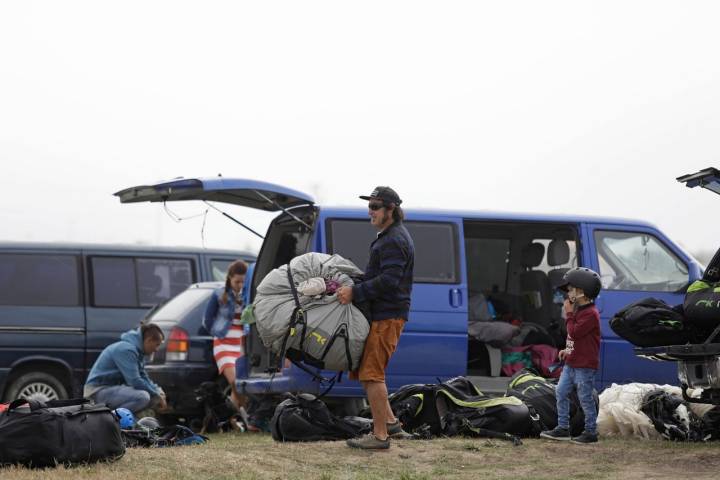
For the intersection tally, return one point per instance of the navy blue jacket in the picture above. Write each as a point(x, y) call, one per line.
point(389, 274)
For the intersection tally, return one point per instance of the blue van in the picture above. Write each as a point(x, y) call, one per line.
point(463, 260)
point(61, 304)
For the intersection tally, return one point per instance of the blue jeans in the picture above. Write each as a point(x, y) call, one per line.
point(584, 380)
point(123, 396)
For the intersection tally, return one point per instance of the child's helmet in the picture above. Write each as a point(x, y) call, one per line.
point(581, 277)
point(125, 417)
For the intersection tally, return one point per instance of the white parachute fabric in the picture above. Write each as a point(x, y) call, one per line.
point(334, 334)
point(620, 411)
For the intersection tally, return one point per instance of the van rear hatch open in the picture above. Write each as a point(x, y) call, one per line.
point(290, 233)
point(237, 191)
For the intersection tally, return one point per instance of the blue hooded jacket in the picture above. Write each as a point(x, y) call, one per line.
point(123, 363)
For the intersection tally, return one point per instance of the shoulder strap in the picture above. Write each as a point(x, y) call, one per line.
point(67, 403)
point(33, 404)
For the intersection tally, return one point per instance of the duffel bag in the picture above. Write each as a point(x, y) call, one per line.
point(306, 418)
point(64, 432)
point(650, 323)
point(702, 304)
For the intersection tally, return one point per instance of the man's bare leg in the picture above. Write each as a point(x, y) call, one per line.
point(378, 399)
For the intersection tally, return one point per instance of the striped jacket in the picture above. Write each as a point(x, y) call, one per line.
point(389, 274)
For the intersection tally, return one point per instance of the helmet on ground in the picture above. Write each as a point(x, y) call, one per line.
point(148, 423)
point(125, 417)
point(584, 278)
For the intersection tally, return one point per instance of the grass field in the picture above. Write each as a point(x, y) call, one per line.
point(257, 456)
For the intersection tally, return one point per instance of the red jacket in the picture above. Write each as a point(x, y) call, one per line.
point(583, 337)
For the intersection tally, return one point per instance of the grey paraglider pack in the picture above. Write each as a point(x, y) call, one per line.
point(316, 330)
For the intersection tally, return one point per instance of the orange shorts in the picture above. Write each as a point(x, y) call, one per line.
point(379, 347)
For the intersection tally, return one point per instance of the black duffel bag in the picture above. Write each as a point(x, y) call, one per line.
point(58, 432)
point(651, 323)
point(306, 418)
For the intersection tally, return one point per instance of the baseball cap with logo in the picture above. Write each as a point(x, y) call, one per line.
point(386, 194)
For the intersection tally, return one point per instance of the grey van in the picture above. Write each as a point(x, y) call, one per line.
point(61, 304)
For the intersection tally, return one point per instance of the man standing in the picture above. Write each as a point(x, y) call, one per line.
point(386, 286)
point(118, 377)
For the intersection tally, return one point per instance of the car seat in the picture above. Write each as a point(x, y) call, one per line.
point(535, 288)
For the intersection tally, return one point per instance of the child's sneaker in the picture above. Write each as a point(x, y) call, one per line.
point(557, 433)
point(584, 438)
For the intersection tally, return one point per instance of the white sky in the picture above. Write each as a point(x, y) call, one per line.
point(582, 107)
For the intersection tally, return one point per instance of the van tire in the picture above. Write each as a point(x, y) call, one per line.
point(36, 386)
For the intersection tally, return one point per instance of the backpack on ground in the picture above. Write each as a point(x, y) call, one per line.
point(671, 417)
point(306, 418)
point(539, 393)
point(650, 323)
point(65, 432)
point(457, 407)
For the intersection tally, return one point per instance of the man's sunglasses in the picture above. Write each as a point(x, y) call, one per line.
point(375, 206)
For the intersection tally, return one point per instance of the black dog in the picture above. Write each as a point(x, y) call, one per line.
point(221, 415)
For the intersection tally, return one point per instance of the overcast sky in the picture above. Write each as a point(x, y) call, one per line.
point(582, 107)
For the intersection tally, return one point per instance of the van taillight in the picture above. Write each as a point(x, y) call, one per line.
point(178, 345)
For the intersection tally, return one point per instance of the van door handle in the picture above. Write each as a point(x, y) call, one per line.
point(455, 298)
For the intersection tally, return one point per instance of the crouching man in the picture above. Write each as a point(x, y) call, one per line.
point(118, 377)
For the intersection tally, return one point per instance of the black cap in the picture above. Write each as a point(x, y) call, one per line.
point(386, 194)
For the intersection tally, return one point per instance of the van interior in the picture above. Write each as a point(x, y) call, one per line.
point(512, 269)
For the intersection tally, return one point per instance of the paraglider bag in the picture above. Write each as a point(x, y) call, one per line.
point(702, 304)
point(65, 432)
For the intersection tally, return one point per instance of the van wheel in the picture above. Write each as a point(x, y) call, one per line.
point(38, 386)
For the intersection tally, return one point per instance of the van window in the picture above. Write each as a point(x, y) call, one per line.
point(138, 282)
point(352, 239)
point(179, 307)
point(25, 279)
point(161, 278)
point(219, 269)
point(638, 261)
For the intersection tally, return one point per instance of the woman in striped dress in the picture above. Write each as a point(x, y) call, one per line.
point(222, 320)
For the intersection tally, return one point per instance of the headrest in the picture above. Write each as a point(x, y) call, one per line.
point(558, 253)
point(556, 276)
point(532, 255)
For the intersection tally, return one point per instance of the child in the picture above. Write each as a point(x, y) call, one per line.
point(581, 354)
